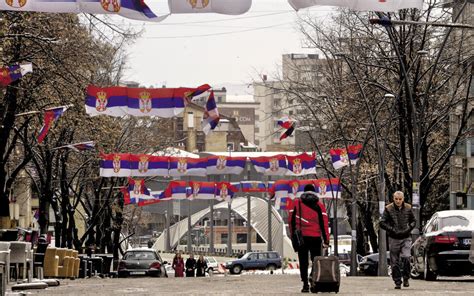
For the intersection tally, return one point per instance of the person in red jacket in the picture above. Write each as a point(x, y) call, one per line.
point(309, 215)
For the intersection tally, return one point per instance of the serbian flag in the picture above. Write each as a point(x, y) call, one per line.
point(115, 165)
point(328, 188)
point(112, 101)
point(12, 73)
point(284, 203)
point(50, 116)
point(361, 5)
point(340, 156)
point(137, 189)
point(211, 115)
point(176, 190)
point(188, 93)
point(297, 187)
point(288, 124)
point(132, 9)
point(83, 146)
point(225, 191)
point(148, 165)
point(147, 202)
point(302, 164)
point(186, 166)
point(270, 165)
point(224, 165)
point(202, 190)
point(126, 195)
point(280, 188)
point(231, 7)
point(253, 186)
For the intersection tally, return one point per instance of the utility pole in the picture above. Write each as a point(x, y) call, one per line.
point(249, 213)
point(269, 202)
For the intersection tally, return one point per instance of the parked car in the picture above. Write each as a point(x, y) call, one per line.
point(443, 247)
point(141, 261)
point(212, 265)
point(345, 258)
point(369, 265)
point(255, 260)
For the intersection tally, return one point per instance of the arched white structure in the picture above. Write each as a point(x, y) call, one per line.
point(259, 221)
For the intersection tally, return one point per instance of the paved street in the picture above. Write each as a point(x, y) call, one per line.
point(287, 284)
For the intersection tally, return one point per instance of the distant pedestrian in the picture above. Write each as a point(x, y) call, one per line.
point(178, 265)
point(398, 220)
point(201, 266)
point(309, 215)
point(190, 266)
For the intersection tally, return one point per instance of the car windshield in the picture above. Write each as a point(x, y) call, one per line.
point(456, 223)
point(139, 255)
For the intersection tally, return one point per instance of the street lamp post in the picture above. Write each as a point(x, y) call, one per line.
point(229, 230)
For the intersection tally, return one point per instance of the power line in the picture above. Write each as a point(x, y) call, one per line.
point(216, 34)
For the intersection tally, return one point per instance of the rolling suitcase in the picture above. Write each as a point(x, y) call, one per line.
point(325, 276)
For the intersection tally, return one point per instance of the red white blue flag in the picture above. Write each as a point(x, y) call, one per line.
point(280, 188)
point(270, 165)
point(50, 116)
point(253, 186)
point(225, 191)
point(132, 9)
point(187, 166)
point(175, 190)
point(211, 115)
point(118, 101)
point(202, 190)
point(328, 188)
point(297, 187)
point(115, 165)
point(231, 7)
point(148, 165)
point(284, 203)
point(224, 165)
point(137, 190)
point(83, 146)
point(362, 5)
point(12, 73)
point(302, 164)
point(340, 156)
point(288, 124)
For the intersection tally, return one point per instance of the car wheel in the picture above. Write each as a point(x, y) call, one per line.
point(237, 269)
point(429, 275)
point(123, 274)
point(210, 270)
point(389, 270)
point(271, 267)
point(414, 273)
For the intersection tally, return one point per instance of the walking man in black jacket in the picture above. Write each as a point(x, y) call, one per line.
point(398, 220)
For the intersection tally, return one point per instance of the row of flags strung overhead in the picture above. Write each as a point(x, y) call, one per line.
point(119, 101)
point(136, 192)
point(139, 10)
point(126, 165)
point(145, 165)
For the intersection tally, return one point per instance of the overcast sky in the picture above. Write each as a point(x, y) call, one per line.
point(192, 49)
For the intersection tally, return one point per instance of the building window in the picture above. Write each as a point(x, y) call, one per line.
point(257, 118)
point(230, 146)
point(219, 99)
point(290, 112)
point(224, 237)
point(257, 129)
point(241, 238)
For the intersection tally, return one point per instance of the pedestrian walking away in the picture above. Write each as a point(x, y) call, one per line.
point(201, 266)
point(309, 215)
point(190, 266)
point(178, 265)
point(398, 220)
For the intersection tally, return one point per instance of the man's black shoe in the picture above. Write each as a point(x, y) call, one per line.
point(398, 286)
point(305, 289)
point(406, 283)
